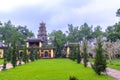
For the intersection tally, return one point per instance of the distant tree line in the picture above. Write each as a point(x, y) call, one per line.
point(10, 32)
point(85, 31)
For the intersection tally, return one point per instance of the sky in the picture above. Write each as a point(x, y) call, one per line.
point(57, 14)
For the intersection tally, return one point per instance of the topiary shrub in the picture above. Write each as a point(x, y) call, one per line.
point(72, 78)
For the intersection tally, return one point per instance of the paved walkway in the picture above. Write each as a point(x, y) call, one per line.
point(111, 72)
point(9, 65)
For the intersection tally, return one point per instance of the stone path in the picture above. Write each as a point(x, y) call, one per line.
point(111, 72)
point(9, 65)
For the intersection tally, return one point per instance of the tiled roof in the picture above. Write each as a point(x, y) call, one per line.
point(34, 40)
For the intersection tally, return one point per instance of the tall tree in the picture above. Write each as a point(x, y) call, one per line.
point(113, 32)
point(58, 39)
point(78, 54)
point(14, 55)
point(73, 52)
point(97, 32)
point(25, 56)
point(37, 56)
point(32, 55)
point(24, 33)
point(9, 54)
point(85, 53)
point(86, 31)
point(110, 29)
point(74, 34)
point(100, 60)
point(118, 13)
point(8, 32)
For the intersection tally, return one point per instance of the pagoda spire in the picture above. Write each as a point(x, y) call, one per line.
point(42, 33)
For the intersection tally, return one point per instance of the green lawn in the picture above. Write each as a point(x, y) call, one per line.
point(51, 69)
point(1, 61)
point(115, 65)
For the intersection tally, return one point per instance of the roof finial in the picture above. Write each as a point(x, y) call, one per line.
point(42, 23)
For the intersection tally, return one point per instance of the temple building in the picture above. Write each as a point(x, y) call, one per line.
point(41, 43)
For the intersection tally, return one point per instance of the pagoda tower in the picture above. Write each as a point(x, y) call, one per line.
point(42, 33)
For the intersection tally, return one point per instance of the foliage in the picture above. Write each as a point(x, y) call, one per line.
point(100, 60)
point(24, 33)
point(39, 69)
point(72, 78)
point(10, 33)
point(118, 13)
point(78, 54)
point(32, 55)
point(86, 31)
point(18, 57)
point(85, 54)
point(97, 32)
point(76, 34)
point(25, 56)
point(113, 37)
point(58, 39)
point(113, 32)
point(14, 55)
point(72, 54)
point(73, 34)
point(37, 56)
point(9, 54)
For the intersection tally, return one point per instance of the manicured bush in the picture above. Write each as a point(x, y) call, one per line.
point(72, 54)
point(78, 54)
point(72, 78)
point(100, 60)
point(32, 55)
point(14, 55)
point(9, 54)
point(85, 54)
point(25, 56)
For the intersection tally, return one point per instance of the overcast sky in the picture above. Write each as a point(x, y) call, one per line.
point(57, 14)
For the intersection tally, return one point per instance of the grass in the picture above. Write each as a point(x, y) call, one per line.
point(91, 60)
point(1, 61)
point(115, 64)
point(51, 69)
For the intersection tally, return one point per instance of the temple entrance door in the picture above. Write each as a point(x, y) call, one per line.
point(46, 54)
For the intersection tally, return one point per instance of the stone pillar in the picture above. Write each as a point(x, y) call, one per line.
point(40, 44)
point(27, 44)
point(68, 51)
point(1, 53)
point(52, 53)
